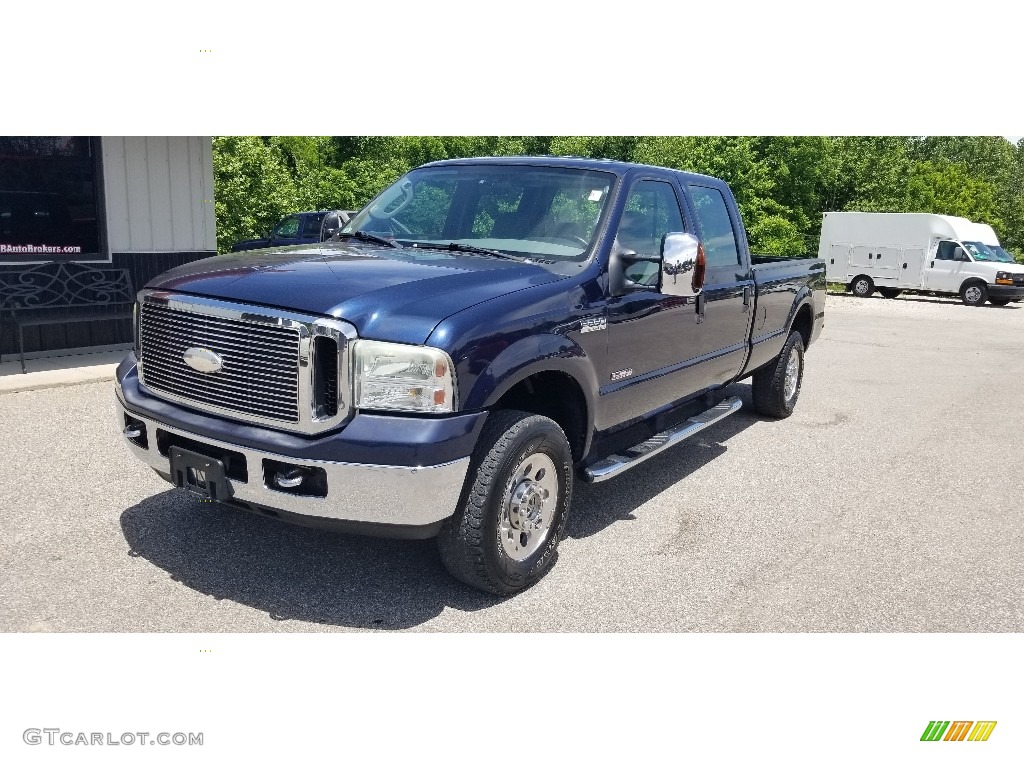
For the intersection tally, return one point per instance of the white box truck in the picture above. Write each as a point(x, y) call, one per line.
point(893, 252)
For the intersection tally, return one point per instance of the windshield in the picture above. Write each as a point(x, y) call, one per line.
point(981, 252)
point(519, 210)
point(1002, 254)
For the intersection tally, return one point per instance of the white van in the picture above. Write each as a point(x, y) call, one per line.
point(893, 252)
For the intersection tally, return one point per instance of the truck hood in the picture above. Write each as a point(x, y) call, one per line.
point(388, 294)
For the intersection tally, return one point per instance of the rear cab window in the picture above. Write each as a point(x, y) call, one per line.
point(717, 232)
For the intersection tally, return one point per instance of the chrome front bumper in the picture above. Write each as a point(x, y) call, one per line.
point(374, 495)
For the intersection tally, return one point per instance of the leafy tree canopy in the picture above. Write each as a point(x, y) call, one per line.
point(782, 184)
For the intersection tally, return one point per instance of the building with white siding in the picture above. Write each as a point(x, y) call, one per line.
point(142, 204)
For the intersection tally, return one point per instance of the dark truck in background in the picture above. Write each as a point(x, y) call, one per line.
point(299, 229)
point(482, 335)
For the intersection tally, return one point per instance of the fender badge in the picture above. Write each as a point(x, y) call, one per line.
point(589, 324)
point(625, 373)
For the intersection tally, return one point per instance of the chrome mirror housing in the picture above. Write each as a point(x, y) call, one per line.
point(683, 264)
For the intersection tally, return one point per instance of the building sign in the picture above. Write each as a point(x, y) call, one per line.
point(49, 201)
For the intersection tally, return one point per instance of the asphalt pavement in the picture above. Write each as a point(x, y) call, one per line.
point(890, 501)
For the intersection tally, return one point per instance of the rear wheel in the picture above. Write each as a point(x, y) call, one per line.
point(974, 294)
point(515, 507)
point(889, 293)
point(998, 302)
point(862, 286)
point(777, 385)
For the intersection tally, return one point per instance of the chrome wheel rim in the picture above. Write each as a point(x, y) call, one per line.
point(973, 294)
point(861, 286)
point(792, 374)
point(529, 507)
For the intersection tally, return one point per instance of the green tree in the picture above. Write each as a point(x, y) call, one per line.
point(253, 187)
point(782, 184)
point(950, 189)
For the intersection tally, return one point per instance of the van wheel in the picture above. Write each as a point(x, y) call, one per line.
point(777, 385)
point(974, 294)
point(889, 293)
point(862, 286)
point(515, 505)
point(998, 302)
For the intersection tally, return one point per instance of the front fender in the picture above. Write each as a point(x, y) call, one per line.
point(529, 356)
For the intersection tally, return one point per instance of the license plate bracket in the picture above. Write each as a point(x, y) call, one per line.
point(200, 475)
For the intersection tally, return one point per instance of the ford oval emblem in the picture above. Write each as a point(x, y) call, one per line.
point(203, 360)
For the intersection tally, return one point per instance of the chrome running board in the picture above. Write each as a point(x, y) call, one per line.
point(620, 462)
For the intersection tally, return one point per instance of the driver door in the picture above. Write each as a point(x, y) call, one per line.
point(943, 271)
point(651, 332)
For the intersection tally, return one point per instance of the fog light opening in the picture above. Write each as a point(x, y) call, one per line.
point(135, 432)
point(295, 479)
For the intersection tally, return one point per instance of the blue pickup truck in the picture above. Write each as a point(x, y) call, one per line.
point(298, 229)
point(482, 335)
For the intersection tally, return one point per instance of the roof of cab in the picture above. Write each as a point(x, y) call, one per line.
point(618, 167)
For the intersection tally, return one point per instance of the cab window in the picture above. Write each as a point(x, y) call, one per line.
point(716, 227)
point(946, 250)
point(651, 212)
point(288, 227)
point(311, 227)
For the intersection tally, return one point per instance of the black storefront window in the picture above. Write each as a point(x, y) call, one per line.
point(49, 199)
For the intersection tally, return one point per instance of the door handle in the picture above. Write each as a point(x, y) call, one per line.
point(699, 310)
point(933, 264)
point(746, 298)
point(904, 265)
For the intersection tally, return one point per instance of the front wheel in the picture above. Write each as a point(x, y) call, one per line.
point(777, 385)
point(974, 294)
point(514, 509)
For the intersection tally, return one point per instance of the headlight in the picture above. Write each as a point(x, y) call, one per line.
point(1004, 278)
point(402, 377)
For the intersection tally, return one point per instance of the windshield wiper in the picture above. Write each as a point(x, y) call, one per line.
point(465, 248)
point(369, 237)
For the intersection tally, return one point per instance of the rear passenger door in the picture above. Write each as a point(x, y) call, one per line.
point(728, 286)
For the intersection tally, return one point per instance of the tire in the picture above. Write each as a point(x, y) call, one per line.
point(889, 293)
point(775, 391)
point(974, 294)
point(862, 286)
point(998, 302)
point(489, 543)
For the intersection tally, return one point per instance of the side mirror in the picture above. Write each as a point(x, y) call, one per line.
point(959, 255)
point(329, 228)
point(683, 264)
point(621, 259)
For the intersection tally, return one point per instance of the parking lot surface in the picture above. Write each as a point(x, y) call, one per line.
point(890, 501)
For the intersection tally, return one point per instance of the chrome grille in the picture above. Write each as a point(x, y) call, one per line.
point(260, 374)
